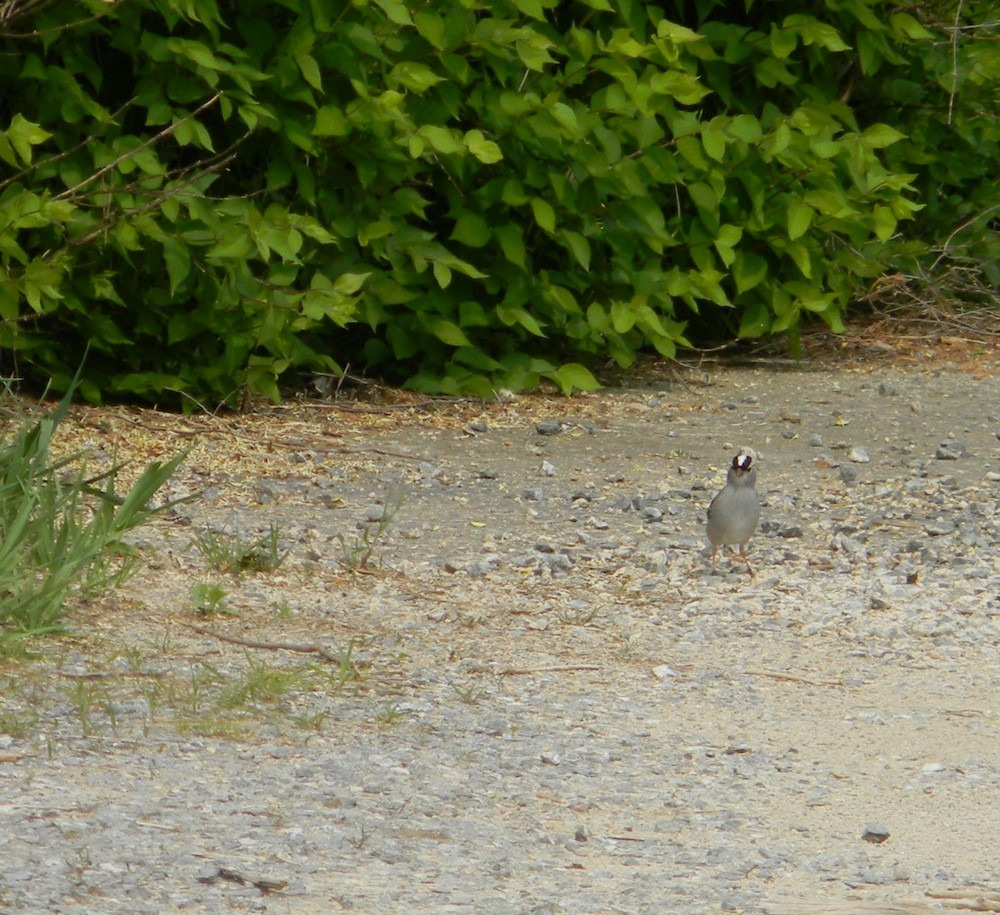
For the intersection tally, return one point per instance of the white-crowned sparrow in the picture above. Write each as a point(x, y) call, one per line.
point(735, 511)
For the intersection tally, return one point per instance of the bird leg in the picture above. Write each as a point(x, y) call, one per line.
point(745, 558)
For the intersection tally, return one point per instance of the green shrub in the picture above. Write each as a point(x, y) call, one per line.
point(457, 194)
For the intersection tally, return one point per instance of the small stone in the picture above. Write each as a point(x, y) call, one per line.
point(477, 425)
point(950, 451)
point(548, 469)
point(548, 427)
point(941, 527)
point(665, 672)
point(374, 513)
point(886, 389)
point(859, 455)
point(532, 495)
point(581, 834)
point(751, 398)
point(848, 474)
point(487, 474)
point(484, 566)
point(791, 532)
point(559, 562)
point(815, 440)
point(429, 470)
point(875, 833)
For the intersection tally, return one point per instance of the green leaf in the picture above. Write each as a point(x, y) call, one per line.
point(622, 317)
point(442, 273)
point(413, 75)
point(745, 127)
point(23, 134)
point(178, 261)
point(749, 270)
point(714, 142)
point(432, 28)
point(450, 333)
point(878, 136)
point(905, 24)
point(310, 70)
point(471, 229)
point(726, 239)
point(800, 216)
point(349, 283)
point(516, 315)
point(783, 41)
point(512, 242)
point(441, 138)
point(330, 122)
point(756, 321)
point(574, 377)
point(885, 223)
point(486, 151)
point(545, 216)
point(578, 246)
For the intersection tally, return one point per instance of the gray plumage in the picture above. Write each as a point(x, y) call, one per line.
point(735, 511)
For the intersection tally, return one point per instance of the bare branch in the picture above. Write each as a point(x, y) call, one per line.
point(153, 140)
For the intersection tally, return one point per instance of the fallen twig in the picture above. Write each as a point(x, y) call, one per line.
point(778, 675)
point(971, 899)
point(324, 653)
point(569, 668)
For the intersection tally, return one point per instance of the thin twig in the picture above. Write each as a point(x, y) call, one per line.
point(166, 132)
point(954, 62)
point(778, 675)
point(524, 671)
point(324, 653)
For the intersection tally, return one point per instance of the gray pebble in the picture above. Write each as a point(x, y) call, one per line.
point(875, 833)
point(534, 494)
point(430, 471)
point(950, 451)
point(859, 455)
point(848, 474)
point(548, 427)
point(886, 389)
point(815, 440)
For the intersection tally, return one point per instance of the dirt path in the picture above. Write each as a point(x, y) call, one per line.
point(535, 696)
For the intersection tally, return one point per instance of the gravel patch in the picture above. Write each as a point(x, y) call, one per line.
point(536, 696)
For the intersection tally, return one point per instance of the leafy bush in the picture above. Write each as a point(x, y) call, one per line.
point(62, 531)
point(460, 194)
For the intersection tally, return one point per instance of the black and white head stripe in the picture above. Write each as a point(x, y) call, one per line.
point(742, 462)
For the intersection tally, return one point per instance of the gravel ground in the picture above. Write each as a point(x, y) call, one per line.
point(537, 696)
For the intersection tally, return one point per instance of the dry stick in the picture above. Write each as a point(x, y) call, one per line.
point(324, 653)
point(777, 675)
point(518, 671)
point(167, 131)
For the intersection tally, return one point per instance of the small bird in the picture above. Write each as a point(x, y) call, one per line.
point(735, 511)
